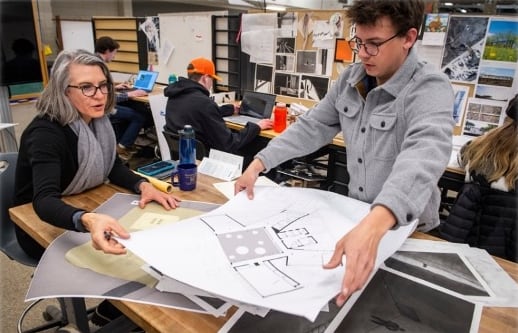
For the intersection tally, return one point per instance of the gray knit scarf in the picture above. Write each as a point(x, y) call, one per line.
point(95, 152)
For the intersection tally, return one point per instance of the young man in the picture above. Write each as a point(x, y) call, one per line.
point(126, 112)
point(395, 114)
point(189, 104)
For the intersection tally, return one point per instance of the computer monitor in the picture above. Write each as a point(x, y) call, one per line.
point(145, 80)
point(257, 104)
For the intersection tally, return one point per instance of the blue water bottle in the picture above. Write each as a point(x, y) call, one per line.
point(187, 145)
point(172, 78)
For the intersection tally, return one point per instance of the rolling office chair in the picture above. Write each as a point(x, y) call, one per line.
point(173, 141)
point(9, 245)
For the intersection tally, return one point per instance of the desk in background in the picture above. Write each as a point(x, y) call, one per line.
point(337, 178)
point(160, 319)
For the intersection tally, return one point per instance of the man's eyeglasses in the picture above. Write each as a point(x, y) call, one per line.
point(90, 90)
point(371, 48)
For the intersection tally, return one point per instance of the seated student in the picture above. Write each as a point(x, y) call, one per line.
point(69, 147)
point(189, 104)
point(125, 111)
point(485, 213)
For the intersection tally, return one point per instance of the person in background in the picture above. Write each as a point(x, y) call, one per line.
point(485, 212)
point(395, 114)
point(125, 111)
point(68, 148)
point(189, 104)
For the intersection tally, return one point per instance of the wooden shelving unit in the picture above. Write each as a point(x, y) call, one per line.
point(125, 31)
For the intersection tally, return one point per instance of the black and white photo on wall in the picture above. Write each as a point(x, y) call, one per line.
point(313, 87)
point(325, 62)
point(306, 61)
point(286, 84)
point(263, 78)
point(287, 25)
point(285, 62)
point(285, 45)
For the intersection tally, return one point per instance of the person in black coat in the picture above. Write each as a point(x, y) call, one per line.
point(189, 104)
point(485, 213)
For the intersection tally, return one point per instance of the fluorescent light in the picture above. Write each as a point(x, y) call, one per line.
point(448, 4)
point(276, 8)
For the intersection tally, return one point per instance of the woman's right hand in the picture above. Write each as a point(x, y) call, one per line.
point(102, 227)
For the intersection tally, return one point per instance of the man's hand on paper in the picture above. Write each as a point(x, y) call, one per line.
point(360, 247)
point(249, 177)
point(101, 225)
point(149, 193)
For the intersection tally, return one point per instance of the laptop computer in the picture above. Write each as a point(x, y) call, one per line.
point(145, 80)
point(254, 107)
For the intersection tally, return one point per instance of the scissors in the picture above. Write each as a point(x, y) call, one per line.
point(390, 325)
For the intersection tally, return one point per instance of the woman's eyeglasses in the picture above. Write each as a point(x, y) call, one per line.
point(90, 90)
point(371, 48)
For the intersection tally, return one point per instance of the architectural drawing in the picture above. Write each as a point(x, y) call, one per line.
point(261, 255)
point(263, 252)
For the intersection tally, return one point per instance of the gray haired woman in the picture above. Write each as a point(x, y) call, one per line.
point(69, 147)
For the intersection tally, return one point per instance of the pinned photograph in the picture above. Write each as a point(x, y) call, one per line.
point(263, 78)
point(306, 62)
point(463, 47)
point(482, 115)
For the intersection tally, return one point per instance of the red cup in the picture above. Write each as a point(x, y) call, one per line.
point(280, 117)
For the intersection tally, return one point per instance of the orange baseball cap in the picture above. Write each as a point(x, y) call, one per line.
point(203, 66)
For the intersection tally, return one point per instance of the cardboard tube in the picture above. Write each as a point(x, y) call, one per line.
point(159, 184)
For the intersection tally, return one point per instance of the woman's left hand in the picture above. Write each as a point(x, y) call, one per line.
point(149, 193)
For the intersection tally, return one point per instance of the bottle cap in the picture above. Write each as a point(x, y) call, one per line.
point(281, 104)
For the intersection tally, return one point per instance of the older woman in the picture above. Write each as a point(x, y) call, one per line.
point(69, 147)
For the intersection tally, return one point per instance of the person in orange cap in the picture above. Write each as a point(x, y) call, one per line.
point(189, 104)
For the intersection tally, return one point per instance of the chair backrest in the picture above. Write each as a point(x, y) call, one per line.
point(173, 141)
point(158, 103)
point(8, 242)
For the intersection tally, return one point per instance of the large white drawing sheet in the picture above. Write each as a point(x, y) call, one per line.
point(266, 252)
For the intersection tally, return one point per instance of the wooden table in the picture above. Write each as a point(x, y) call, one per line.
point(161, 319)
point(151, 318)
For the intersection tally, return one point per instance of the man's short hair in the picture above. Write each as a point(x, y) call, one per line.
point(404, 14)
point(106, 43)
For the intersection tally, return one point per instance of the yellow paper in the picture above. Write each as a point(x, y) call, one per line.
point(159, 184)
point(127, 266)
point(150, 220)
